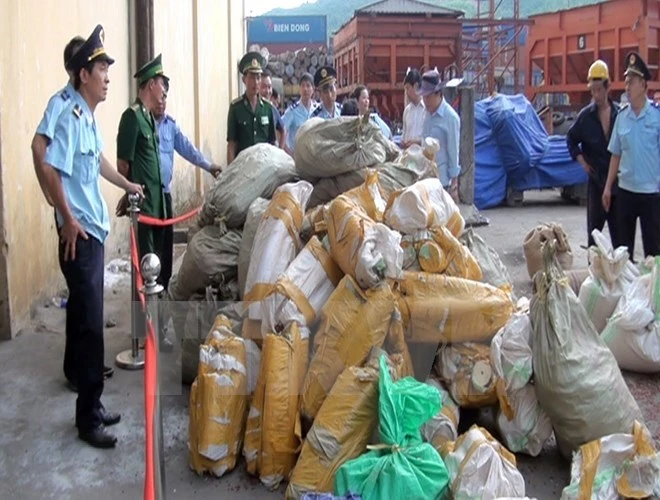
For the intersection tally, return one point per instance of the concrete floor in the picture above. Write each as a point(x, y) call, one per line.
point(40, 456)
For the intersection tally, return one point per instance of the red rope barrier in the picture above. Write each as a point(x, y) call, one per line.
point(153, 221)
point(150, 380)
point(135, 260)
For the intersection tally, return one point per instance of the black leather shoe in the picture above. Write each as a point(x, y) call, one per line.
point(98, 437)
point(109, 418)
point(166, 345)
point(108, 371)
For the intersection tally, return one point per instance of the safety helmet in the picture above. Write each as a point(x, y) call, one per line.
point(598, 71)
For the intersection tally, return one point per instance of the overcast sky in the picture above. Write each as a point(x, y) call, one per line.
point(258, 7)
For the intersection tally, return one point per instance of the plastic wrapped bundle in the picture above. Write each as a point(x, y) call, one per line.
point(255, 173)
point(575, 374)
point(480, 467)
point(353, 322)
point(466, 370)
point(302, 291)
point(327, 148)
point(256, 210)
point(442, 428)
point(277, 242)
point(366, 250)
point(272, 436)
point(438, 308)
point(423, 205)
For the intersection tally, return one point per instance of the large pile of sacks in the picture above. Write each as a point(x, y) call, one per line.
point(310, 376)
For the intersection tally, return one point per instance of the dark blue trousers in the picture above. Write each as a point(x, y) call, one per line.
point(84, 351)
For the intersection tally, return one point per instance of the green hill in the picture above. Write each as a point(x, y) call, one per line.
point(339, 16)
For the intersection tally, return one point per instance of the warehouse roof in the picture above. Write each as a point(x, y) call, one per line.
point(407, 7)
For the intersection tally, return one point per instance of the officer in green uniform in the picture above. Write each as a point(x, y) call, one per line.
point(138, 156)
point(250, 118)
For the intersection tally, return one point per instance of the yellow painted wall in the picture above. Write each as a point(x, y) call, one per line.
point(201, 42)
point(32, 39)
point(200, 57)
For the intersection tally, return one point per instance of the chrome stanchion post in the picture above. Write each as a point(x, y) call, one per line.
point(150, 266)
point(133, 359)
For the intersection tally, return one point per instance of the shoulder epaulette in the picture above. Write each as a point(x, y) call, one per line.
point(317, 111)
point(294, 105)
point(237, 100)
point(624, 106)
point(65, 95)
point(77, 111)
point(135, 106)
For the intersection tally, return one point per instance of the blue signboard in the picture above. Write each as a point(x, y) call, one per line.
point(287, 29)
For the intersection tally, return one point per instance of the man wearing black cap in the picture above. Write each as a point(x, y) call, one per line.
point(325, 80)
point(76, 161)
point(444, 124)
point(635, 148)
point(250, 117)
point(42, 138)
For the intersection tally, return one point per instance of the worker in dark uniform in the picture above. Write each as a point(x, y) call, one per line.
point(587, 142)
point(635, 148)
point(325, 80)
point(74, 161)
point(250, 117)
point(138, 159)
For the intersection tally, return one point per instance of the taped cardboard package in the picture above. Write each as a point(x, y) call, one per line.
point(302, 290)
point(616, 466)
point(277, 242)
point(440, 252)
point(530, 427)
point(353, 322)
point(443, 428)
point(396, 345)
point(440, 308)
point(467, 372)
point(421, 206)
point(218, 401)
point(367, 250)
point(273, 433)
point(480, 467)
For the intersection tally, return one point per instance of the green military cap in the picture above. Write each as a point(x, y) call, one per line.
point(252, 62)
point(151, 69)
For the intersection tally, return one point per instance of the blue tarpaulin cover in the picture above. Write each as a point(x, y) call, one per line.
point(513, 149)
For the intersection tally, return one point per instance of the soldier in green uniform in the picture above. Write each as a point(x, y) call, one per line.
point(250, 118)
point(138, 156)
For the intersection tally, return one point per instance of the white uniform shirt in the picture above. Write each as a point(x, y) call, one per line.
point(413, 121)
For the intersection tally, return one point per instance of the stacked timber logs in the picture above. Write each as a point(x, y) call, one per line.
point(291, 65)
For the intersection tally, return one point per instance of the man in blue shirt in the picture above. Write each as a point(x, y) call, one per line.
point(172, 139)
point(442, 123)
point(325, 80)
point(299, 112)
point(635, 148)
point(46, 128)
point(42, 138)
point(266, 92)
point(73, 163)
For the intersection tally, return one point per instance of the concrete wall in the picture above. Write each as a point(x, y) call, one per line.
point(201, 42)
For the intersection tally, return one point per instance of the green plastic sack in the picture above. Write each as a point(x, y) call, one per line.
point(404, 466)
